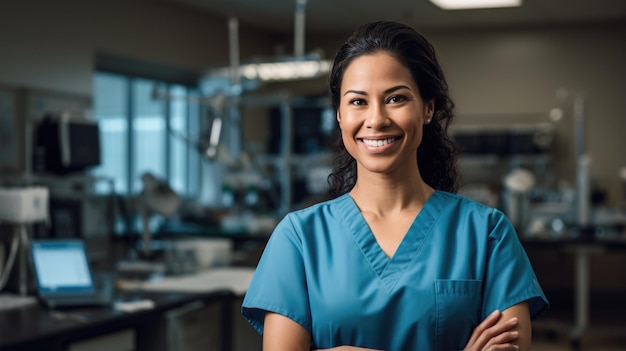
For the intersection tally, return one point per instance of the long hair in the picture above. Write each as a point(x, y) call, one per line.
point(437, 154)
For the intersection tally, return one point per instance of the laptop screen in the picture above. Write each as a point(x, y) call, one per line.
point(61, 266)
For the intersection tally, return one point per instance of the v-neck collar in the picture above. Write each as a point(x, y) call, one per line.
point(389, 270)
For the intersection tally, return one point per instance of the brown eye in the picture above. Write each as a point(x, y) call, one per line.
point(396, 99)
point(357, 102)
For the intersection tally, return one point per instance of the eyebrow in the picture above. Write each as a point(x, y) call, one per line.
point(390, 90)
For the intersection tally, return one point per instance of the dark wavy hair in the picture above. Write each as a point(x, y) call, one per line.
point(437, 154)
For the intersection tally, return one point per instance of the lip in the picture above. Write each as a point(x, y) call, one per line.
point(378, 137)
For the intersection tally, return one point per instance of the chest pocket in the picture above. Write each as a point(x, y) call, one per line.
point(458, 312)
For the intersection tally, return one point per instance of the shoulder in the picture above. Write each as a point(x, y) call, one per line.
point(465, 203)
point(321, 210)
point(322, 213)
point(464, 207)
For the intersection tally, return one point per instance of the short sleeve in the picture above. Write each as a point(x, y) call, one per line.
point(509, 277)
point(279, 283)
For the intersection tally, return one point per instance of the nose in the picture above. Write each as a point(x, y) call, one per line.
point(377, 117)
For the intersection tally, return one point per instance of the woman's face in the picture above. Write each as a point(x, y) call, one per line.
point(381, 114)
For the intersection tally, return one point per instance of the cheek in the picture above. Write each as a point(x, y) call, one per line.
point(346, 137)
point(348, 142)
point(347, 123)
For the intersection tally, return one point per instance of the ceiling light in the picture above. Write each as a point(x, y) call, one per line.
point(288, 70)
point(475, 4)
point(281, 70)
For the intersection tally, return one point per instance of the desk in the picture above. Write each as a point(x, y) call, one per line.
point(173, 229)
point(34, 327)
point(247, 246)
point(582, 251)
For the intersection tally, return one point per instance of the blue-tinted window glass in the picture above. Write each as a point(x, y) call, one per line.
point(195, 160)
point(121, 101)
point(179, 134)
point(111, 112)
point(149, 131)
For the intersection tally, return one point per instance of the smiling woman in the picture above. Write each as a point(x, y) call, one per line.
point(381, 116)
point(395, 261)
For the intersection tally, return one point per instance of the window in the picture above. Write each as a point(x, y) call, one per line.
point(111, 112)
point(140, 133)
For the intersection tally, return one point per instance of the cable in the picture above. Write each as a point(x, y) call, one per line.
point(4, 277)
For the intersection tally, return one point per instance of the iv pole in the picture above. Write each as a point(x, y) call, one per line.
point(582, 211)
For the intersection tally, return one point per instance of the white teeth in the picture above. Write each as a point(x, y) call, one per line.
point(378, 143)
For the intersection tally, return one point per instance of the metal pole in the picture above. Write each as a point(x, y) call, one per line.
point(299, 26)
point(582, 291)
point(579, 125)
point(233, 122)
point(285, 150)
point(583, 165)
point(233, 46)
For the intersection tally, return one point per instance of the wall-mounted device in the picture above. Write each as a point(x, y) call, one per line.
point(66, 144)
point(23, 205)
point(20, 207)
point(505, 140)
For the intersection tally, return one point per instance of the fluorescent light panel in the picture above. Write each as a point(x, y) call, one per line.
point(281, 70)
point(475, 4)
point(289, 70)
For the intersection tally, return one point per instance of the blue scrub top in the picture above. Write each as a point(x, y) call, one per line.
point(459, 261)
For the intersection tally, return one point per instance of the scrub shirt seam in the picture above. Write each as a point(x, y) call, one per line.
point(306, 281)
point(524, 296)
point(521, 298)
point(285, 310)
point(417, 247)
point(359, 241)
point(275, 309)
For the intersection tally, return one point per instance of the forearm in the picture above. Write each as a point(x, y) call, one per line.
point(507, 330)
point(283, 334)
point(347, 348)
point(523, 327)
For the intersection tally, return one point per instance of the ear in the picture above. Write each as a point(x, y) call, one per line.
point(338, 118)
point(430, 108)
point(429, 111)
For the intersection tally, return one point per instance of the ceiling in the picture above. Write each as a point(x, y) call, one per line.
point(345, 15)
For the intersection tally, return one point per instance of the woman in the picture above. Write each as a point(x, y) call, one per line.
point(395, 261)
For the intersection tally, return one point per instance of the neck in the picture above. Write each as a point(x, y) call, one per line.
point(380, 193)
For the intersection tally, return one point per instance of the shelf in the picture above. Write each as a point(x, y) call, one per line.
point(493, 159)
point(295, 159)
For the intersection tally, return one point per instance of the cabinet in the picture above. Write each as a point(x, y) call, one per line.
point(194, 327)
point(121, 341)
point(307, 133)
point(301, 131)
point(81, 206)
point(490, 151)
point(490, 155)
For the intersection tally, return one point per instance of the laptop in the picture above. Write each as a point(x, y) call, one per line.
point(63, 276)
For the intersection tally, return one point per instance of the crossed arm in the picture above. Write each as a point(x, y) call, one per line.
point(500, 331)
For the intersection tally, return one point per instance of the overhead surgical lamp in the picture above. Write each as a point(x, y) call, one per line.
point(280, 69)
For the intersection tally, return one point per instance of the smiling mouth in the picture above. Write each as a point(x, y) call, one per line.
point(379, 142)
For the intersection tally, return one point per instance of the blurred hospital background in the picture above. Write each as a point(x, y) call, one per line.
point(170, 136)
